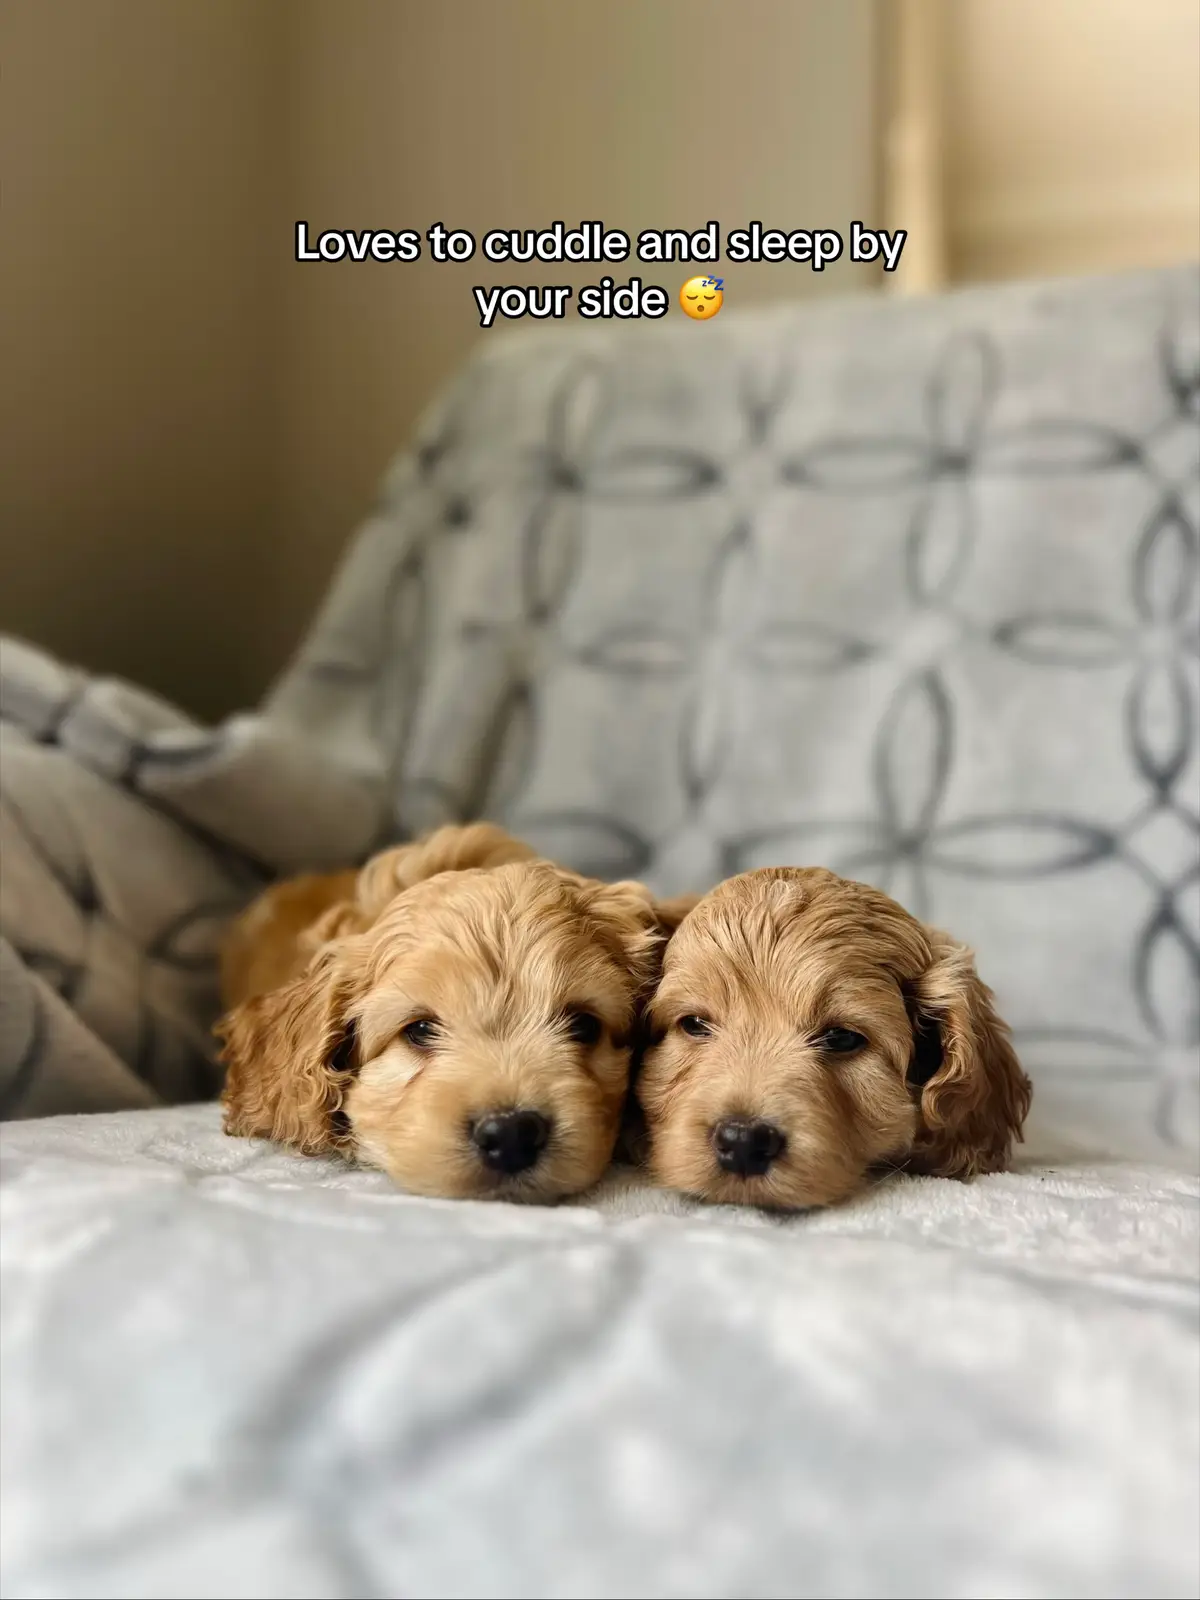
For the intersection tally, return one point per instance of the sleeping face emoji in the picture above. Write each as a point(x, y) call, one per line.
point(702, 298)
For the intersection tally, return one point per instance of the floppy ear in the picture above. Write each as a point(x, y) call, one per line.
point(271, 941)
point(448, 849)
point(628, 914)
point(632, 915)
point(338, 922)
point(290, 1054)
point(641, 924)
point(974, 1095)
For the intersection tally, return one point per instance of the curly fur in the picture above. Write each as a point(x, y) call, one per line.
point(467, 928)
point(774, 958)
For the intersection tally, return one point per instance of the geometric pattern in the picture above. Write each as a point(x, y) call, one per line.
point(128, 838)
point(910, 590)
point(557, 695)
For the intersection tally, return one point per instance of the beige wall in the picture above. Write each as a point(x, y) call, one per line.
point(193, 423)
point(1072, 135)
point(514, 115)
point(135, 141)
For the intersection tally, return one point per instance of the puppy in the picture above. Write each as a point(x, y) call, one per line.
point(808, 1032)
point(464, 1023)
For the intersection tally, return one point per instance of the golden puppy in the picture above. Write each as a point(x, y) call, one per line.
point(806, 1032)
point(464, 1023)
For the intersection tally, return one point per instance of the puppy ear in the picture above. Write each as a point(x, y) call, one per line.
point(289, 1055)
point(271, 941)
point(338, 922)
point(974, 1095)
point(449, 849)
point(629, 915)
point(654, 921)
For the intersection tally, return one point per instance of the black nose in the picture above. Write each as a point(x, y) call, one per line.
point(510, 1141)
point(747, 1148)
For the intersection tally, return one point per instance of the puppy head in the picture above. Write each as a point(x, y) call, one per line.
point(807, 1030)
point(474, 1041)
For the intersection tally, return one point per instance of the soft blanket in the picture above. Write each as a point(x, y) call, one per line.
point(230, 1371)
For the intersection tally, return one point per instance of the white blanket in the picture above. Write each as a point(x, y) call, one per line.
point(233, 1372)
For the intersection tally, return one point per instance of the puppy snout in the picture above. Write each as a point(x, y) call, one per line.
point(746, 1147)
point(510, 1141)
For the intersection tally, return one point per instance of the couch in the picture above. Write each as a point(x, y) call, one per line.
point(907, 589)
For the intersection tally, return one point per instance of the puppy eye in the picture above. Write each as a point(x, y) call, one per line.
point(343, 1057)
point(841, 1041)
point(584, 1028)
point(696, 1027)
point(422, 1034)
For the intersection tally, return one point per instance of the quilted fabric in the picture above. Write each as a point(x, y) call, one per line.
point(128, 837)
point(298, 1382)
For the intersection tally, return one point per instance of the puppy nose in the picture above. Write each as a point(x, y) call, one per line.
point(510, 1141)
point(746, 1148)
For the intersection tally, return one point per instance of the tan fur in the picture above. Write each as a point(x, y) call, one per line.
point(276, 937)
point(774, 957)
point(267, 944)
point(469, 928)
